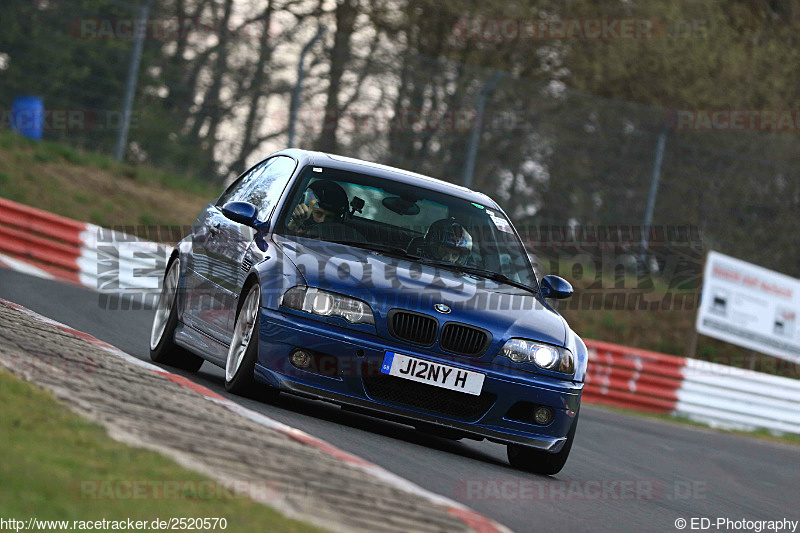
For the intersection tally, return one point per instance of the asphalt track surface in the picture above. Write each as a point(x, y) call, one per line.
point(625, 473)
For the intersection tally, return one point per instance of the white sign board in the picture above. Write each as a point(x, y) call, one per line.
point(750, 306)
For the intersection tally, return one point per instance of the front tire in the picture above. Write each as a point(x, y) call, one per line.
point(541, 462)
point(243, 352)
point(163, 349)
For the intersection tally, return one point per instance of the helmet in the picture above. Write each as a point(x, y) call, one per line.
point(446, 237)
point(327, 195)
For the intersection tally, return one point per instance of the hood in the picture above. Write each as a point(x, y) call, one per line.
point(386, 282)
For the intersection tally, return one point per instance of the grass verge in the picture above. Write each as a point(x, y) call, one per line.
point(94, 187)
point(55, 466)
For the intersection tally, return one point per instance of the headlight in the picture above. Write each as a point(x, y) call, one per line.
point(325, 303)
point(542, 355)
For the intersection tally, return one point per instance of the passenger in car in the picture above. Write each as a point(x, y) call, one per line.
point(447, 240)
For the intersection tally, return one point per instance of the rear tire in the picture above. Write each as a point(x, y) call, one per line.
point(163, 349)
point(539, 461)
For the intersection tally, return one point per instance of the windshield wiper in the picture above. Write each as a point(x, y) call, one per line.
point(376, 247)
point(397, 251)
point(495, 276)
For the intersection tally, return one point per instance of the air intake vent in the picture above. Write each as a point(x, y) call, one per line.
point(246, 265)
point(424, 397)
point(464, 340)
point(412, 327)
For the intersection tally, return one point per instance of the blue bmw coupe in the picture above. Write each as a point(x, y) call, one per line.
point(380, 290)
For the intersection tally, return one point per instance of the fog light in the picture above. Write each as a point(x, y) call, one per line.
point(543, 415)
point(300, 359)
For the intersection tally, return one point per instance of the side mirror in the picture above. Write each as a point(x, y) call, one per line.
point(556, 288)
point(241, 212)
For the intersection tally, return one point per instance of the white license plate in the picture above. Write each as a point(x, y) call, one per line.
point(438, 375)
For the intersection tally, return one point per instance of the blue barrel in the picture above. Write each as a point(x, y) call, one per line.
point(27, 116)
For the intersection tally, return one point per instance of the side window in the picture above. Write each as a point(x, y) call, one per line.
point(262, 186)
point(268, 184)
point(236, 186)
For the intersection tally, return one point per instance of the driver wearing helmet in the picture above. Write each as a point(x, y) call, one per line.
point(447, 240)
point(323, 201)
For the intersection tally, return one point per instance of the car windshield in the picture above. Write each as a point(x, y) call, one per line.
point(393, 217)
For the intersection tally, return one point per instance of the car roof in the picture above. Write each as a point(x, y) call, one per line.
point(308, 157)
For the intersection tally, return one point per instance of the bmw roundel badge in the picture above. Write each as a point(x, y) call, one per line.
point(442, 308)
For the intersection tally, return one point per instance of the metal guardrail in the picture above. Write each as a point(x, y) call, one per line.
point(59, 247)
point(737, 398)
point(625, 377)
point(710, 393)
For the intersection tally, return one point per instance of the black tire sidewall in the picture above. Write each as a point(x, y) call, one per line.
point(539, 461)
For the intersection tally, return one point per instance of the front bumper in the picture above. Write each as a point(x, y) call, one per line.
point(357, 355)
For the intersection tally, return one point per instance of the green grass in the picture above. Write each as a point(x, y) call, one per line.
point(55, 464)
point(50, 151)
point(81, 198)
point(94, 187)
